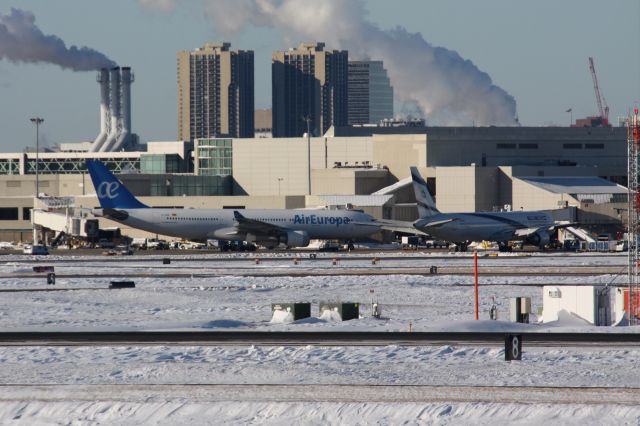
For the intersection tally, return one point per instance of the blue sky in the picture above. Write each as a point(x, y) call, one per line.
point(536, 51)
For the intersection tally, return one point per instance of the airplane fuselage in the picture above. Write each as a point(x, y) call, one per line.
point(489, 226)
point(203, 224)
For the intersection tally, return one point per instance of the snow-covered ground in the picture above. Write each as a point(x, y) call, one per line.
point(167, 303)
point(426, 303)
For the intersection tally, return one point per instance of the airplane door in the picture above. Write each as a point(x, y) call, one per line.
point(162, 217)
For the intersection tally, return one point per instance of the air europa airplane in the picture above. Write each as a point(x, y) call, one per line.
point(268, 227)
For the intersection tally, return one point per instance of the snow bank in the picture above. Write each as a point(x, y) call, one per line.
point(320, 413)
point(330, 315)
point(281, 317)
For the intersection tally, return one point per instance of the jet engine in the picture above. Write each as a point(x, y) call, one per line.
point(539, 238)
point(296, 239)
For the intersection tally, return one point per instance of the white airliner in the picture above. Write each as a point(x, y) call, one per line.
point(533, 227)
point(293, 228)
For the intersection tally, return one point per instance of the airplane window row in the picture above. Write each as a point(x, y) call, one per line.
point(192, 218)
point(215, 218)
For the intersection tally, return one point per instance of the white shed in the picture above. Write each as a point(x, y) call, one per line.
point(598, 305)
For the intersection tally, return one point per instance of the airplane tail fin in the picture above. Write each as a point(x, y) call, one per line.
point(426, 205)
point(112, 194)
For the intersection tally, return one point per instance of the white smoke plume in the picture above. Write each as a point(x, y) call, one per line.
point(161, 5)
point(22, 41)
point(447, 88)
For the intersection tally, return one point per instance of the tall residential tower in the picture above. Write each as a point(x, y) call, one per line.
point(215, 92)
point(309, 82)
point(370, 93)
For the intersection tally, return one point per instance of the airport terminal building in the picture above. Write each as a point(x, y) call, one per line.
point(581, 170)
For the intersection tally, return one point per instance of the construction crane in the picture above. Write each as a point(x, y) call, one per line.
point(604, 112)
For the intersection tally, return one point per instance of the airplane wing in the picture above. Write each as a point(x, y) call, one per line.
point(372, 223)
point(524, 232)
point(257, 226)
point(434, 223)
point(397, 226)
point(564, 225)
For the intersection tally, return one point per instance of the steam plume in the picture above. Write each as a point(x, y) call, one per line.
point(22, 41)
point(161, 5)
point(447, 88)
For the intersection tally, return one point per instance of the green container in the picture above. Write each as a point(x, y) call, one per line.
point(298, 310)
point(347, 311)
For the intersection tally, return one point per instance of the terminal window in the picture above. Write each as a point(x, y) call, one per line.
point(215, 157)
point(8, 213)
point(160, 163)
point(191, 185)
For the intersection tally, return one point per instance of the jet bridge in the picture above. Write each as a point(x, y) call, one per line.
point(58, 215)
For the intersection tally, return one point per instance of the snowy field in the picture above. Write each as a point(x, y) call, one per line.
point(138, 384)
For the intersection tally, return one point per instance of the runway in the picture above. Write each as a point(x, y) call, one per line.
point(316, 271)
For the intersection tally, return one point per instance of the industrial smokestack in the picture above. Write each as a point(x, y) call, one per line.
point(126, 79)
point(114, 110)
point(22, 41)
point(103, 79)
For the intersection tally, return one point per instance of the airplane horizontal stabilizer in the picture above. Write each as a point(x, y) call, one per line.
point(397, 226)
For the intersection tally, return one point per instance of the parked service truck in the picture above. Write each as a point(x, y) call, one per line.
point(410, 242)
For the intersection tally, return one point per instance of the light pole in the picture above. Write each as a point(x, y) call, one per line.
point(37, 121)
point(307, 118)
point(279, 180)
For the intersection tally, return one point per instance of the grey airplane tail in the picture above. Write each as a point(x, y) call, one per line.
point(426, 205)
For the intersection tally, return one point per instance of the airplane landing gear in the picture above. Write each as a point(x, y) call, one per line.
point(462, 247)
point(504, 247)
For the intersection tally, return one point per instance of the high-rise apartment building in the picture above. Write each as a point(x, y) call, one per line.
point(215, 92)
point(309, 82)
point(370, 93)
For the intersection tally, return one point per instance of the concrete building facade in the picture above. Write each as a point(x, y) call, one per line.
point(370, 93)
point(265, 167)
point(215, 92)
point(273, 172)
point(572, 148)
point(263, 122)
point(309, 82)
point(466, 189)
